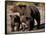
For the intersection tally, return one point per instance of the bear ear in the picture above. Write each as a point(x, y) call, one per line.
point(13, 8)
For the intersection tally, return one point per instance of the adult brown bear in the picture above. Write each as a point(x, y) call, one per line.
point(32, 13)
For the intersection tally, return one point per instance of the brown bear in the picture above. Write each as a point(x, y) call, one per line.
point(32, 13)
